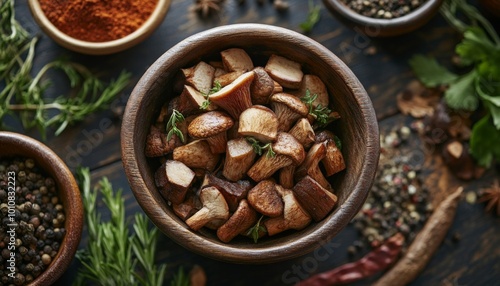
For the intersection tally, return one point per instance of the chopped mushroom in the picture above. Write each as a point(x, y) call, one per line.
point(294, 215)
point(201, 77)
point(236, 60)
point(174, 179)
point(227, 78)
point(334, 160)
point(315, 199)
point(277, 87)
point(262, 86)
point(288, 151)
point(157, 144)
point(303, 132)
point(196, 154)
point(235, 97)
point(264, 198)
point(190, 101)
point(188, 207)
point(239, 158)
point(288, 109)
point(233, 192)
point(242, 219)
point(259, 122)
point(287, 175)
point(286, 72)
point(315, 86)
point(214, 208)
point(311, 165)
point(212, 126)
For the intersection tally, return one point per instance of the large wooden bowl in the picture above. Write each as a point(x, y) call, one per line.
point(14, 144)
point(358, 129)
point(373, 27)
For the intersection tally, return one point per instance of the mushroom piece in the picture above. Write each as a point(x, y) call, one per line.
point(264, 199)
point(200, 77)
point(277, 87)
point(239, 158)
point(212, 126)
point(190, 101)
point(334, 160)
point(288, 109)
point(311, 165)
point(259, 122)
point(315, 86)
point(303, 132)
point(286, 176)
point(294, 215)
point(288, 151)
point(236, 60)
point(188, 207)
point(262, 86)
point(286, 72)
point(157, 144)
point(196, 154)
point(214, 208)
point(235, 97)
point(179, 178)
point(242, 219)
point(315, 199)
point(228, 78)
point(233, 192)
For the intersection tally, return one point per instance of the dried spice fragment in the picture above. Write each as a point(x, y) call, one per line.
point(491, 195)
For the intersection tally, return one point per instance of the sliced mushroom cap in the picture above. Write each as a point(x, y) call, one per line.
point(287, 145)
point(259, 122)
point(180, 178)
point(214, 208)
point(315, 86)
point(316, 200)
point(262, 86)
point(235, 97)
point(310, 166)
point(242, 219)
point(264, 198)
point(239, 158)
point(236, 60)
point(286, 72)
point(233, 192)
point(288, 109)
point(303, 132)
point(201, 77)
point(212, 126)
point(196, 154)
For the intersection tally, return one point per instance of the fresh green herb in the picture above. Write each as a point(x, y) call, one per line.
point(313, 17)
point(255, 230)
point(320, 113)
point(258, 147)
point(172, 128)
point(480, 51)
point(217, 86)
point(338, 143)
point(23, 94)
point(180, 279)
point(133, 256)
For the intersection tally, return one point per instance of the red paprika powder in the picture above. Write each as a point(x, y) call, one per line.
point(98, 20)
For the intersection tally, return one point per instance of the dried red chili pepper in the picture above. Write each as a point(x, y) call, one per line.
point(375, 261)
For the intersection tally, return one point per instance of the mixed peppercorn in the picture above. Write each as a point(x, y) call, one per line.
point(38, 218)
point(383, 9)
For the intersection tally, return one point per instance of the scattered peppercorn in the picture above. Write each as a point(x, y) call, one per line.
point(39, 219)
point(383, 9)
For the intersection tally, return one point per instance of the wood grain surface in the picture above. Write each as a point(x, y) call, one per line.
point(380, 65)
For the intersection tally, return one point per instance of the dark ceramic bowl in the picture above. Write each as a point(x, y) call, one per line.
point(14, 144)
point(373, 27)
point(358, 130)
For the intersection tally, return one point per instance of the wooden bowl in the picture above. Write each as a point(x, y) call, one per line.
point(373, 27)
point(492, 6)
point(14, 144)
point(358, 129)
point(100, 48)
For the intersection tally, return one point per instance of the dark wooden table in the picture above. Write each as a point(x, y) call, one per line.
point(380, 64)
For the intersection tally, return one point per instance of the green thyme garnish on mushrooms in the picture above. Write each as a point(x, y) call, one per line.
point(320, 113)
point(259, 147)
point(172, 128)
point(217, 86)
point(255, 230)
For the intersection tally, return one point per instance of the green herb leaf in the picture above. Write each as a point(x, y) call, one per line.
point(429, 72)
point(180, 279)
point(217, 86)
point(475, 47)
point(484, 142)
point(492, 103)
point(258, 147)
point(313, 17)
point(172, 128)
point(255, 230)
point(461, 93)
point(320, 113)
point(338, 143)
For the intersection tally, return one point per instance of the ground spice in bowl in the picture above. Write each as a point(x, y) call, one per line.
point(98, 20)
point(383, 9)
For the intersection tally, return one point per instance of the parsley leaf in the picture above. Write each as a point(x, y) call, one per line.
point(484, 141)
point(430, 72)
point(475, 47)
point(461, 94)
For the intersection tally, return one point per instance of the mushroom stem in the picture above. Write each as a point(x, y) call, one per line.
point(266, 166)
point(218, 143)
point(235, 97)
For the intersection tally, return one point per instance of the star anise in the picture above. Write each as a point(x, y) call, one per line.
point(492, 196)
point(205, 7)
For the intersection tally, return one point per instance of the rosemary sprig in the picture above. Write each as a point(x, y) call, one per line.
point(172, 128)
point(133, 255)
point(23, 94)
point(258, 147)
point(180, 279)
point(254, 231)
point(217, 86)
point(320, 113)
point(313, 17)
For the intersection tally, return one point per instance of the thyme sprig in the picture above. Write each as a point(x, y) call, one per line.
point(23, 94)
point(133, 255)
point(172, 128)
point(320, 113)
point(259, 147)
point(255, 230)
point(217, 86)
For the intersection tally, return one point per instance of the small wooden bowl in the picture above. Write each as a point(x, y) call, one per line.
point(14, 144)
point(373, 27)
point(358, 129)
point(100, 48)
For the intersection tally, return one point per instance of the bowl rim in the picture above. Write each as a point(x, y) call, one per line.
point(73, 209)
point(407, 22)
point(195, 242)
point(100, 48)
